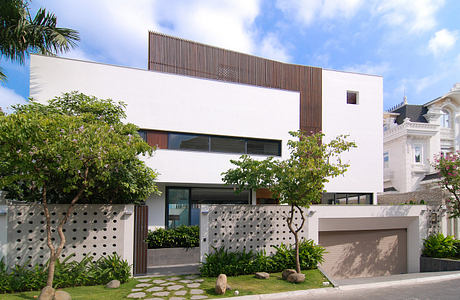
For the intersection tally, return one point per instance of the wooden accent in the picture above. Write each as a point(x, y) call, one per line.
point(157, 139)
point(264, 193)
point(141, 217)
point(173, 55)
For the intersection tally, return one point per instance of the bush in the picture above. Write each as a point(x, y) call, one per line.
point(179, 237)
point(67, 274)
point(437, 245)
point(241, 263)
point(457, 248)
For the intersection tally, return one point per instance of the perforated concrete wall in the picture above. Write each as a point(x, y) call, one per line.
point(93, 230)
point(238, 227)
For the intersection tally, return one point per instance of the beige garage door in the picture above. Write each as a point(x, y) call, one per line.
point(365, 253)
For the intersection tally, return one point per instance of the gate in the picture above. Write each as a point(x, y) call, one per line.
point(141, 217)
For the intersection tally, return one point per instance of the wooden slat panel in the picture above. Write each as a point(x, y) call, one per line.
point(140, 237)
point(157, 139)
point(189, 58)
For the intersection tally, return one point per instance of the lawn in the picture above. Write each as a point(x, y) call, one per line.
point(245, 284)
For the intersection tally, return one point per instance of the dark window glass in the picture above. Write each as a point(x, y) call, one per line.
point(229, 145)
point(143, 134)
point(352, 97)
point(218, 196)
point(178, 207)
point(188, 142)
point(264, 147)
point(346, 198)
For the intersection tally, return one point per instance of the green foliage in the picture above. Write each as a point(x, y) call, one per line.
point(21, 34)
point(448, 167)
point(437, 245)
point(179, 237)
point(457, 248)
point(83, 273)
point(249, 262)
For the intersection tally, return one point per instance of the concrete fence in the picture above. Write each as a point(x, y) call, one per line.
point(91, 230)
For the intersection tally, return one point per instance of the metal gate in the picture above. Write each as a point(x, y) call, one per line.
point(141, 218)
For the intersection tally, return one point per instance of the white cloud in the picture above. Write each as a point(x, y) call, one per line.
point(369, 68)
point(415, 16)
point(8, 97)
point(272, 48)
point(442, 41)
point(306, 11)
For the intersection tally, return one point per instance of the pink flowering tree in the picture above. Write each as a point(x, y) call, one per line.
point(73, 150)
point(449, 169)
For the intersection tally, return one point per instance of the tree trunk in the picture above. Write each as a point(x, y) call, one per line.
point(295, 232)
point(297, 258)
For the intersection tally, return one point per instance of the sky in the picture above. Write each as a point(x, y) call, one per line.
point(413, 44)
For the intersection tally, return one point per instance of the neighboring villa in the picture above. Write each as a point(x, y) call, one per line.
point(203, 106)
point(413, 135)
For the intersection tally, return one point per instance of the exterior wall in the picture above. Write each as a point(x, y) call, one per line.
point(91, 230)
point(3, 232)
point(176, 103)
point(361, 123)
point(157, 209)
point(222, 225)
point(395, 175)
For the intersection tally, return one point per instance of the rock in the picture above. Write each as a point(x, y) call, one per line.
point(136, 290)
point(174, 287)
point(186, 281)
point(176, 298)
point(193, 285)
point(47, 293)
point(221, 284)
point(262, 275)
point(155, 289)
point(143, 285)
point(287, 272)
point(158, 281)
point(144, 280)
point(114, 284)
point(180, 293)
point(161, 294)
point(196, 291)
point(198, 280)
point(296, 277)
point(62, 295)
point(136, 295)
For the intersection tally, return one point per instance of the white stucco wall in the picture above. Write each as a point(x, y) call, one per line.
point(3, 232)
point(363, 122)
point(176, 103)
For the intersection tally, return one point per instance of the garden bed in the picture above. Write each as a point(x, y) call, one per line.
point(431, 264)
point(245, 284)
point(172, 256)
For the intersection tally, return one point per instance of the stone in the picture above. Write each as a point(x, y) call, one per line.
point(176, 298)
point(47, 293)
point(221, 284)
point(161, 294)
point(180, 293)
point(168, 283)
point(173, 278)
point(174, 287)
point(193, 285)
point(143, 285)
point(262, 275)
point(156, 298)
point(196, 291)
point(155, 289)
point(191, 277)
point(144, 279)
point(136, 295)
point(296, 277)
point(287, 272)
point(136, 290)
point(62, 295)
point(198, 280)
point(198, 297)
point(186, 281)
point(113, 284)
point(158, 281)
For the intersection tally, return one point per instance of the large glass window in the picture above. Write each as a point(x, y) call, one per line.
point(188, 142)
point(445, 122)
point(178, 207)
point(264, 147)
point(228, 145)
point(347, 198)
point(417, 154)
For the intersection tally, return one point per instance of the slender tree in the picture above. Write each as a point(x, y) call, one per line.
point(448, 167)
point(68, 151)
point(21, 33)
point(298, 180)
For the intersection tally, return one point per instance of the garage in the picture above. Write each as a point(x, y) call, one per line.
point(364, 253)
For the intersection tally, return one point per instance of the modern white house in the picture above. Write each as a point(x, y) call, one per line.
point(413, 135)
point(202, 106)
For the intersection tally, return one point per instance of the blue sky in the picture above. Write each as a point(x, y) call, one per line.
point(413, 44)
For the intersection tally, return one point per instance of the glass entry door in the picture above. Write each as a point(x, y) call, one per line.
point(178, 207)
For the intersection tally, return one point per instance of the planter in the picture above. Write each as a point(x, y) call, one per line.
point(172, 256)
point(431, 264)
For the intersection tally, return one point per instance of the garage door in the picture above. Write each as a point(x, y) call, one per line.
point(365, 253)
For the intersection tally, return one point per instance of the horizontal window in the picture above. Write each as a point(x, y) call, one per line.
point(215, 143)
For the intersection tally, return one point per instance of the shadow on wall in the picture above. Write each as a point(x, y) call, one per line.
point(364, 253)
point(91, 230)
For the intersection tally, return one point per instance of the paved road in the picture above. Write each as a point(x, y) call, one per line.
point(442, 290)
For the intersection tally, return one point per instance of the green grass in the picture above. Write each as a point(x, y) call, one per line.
point(245, 284)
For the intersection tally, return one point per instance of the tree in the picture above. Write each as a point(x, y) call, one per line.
point(298, 180)
point(69, 151)
point(449, 170)
point(20, 33)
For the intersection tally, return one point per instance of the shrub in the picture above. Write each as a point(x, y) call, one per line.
point(437, 245)
point(457, 248)
point(67, 274)
point(240, 263)
point(179, 237)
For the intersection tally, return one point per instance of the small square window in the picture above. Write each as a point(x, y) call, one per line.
point(352, 97)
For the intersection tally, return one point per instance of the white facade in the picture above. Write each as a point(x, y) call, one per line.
point(411, 146)
point(175, 103)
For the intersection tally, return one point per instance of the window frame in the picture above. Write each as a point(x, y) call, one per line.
point(414, 149)
point(356, 93)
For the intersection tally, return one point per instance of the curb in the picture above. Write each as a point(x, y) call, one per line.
point(399, 282)
point(283, 295)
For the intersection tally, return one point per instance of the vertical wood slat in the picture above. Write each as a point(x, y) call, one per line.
point(157, 139)
point(190, 58)
point(140, 237)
